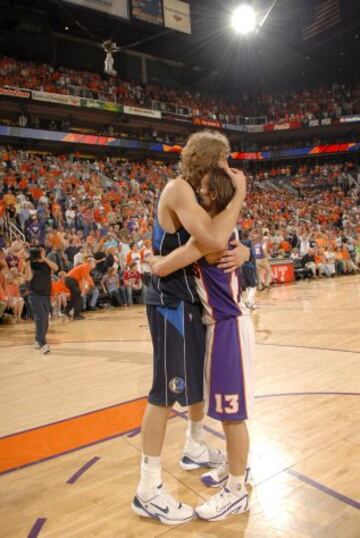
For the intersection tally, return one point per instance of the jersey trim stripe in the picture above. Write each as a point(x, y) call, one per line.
point(243, 384)
point(165, 365)
point(185, 276)
point(159, 278)
point(184, 344)
point(203, 294)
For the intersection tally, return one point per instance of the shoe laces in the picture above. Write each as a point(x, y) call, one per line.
point(165, 496)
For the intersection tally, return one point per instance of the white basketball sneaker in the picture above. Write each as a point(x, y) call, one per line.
point(196, 455)
point(222, 505)
point(218, 477)
point(163, 507)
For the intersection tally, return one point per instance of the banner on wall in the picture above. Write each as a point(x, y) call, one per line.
point(147, 113)
point(175, 117)
point(117, 8)
point(101, 105)
point(58, 98)
point(202, 122)
point(15, 92)
point(254, 128)
point(282, 271)
point(234, 127)
point(296, 152)
point(326, 121)
point(148, 11)
point(282, 126)
point(350, 119)
point(177, 16)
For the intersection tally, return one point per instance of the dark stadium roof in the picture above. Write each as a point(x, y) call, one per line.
point(275, 58)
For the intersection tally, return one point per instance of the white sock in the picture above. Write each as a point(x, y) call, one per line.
point(236, 485)
point(150, 476)
point(195, 431)
point(251, 295)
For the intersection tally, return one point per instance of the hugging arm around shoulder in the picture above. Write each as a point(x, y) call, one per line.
point(212, 234)
point(179, 258)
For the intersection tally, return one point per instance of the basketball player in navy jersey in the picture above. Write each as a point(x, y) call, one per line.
point(228, 390)
point(174, 315)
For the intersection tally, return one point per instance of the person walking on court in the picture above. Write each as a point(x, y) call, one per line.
point(38, 275)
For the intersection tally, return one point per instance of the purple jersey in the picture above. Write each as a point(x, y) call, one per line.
point(228, 387)
point(259, 251)
point(220, 292)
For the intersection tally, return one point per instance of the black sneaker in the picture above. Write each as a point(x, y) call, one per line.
point(79, 316)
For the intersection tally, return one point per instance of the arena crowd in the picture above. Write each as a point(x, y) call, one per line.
point(95, 219)
point(302, 106)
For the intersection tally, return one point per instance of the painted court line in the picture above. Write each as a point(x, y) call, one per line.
point(299, 476)
point(112, 406)
point(82, 470)
point(307, 347)
point(36, 528)
point(36, 445)
point(50, 441)
point(311, 393)
point(325, 489)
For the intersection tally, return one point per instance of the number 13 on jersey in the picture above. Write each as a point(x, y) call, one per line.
point(227, 403)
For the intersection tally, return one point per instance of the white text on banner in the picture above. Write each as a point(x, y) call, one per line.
point(148, 113)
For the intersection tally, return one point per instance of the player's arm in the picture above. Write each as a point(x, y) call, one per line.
point(181, 257)
point(214, 233)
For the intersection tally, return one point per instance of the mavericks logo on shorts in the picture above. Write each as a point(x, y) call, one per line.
point(177, 385)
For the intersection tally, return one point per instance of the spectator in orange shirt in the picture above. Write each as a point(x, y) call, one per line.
point(79, 282)
point(134, 257)
point(12, 292)
point(59, 294)
point(350, 266)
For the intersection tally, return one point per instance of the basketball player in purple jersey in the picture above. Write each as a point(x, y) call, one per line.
point(228, 387)
point(177, 332)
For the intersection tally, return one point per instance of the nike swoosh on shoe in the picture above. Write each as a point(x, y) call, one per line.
point(162, 509)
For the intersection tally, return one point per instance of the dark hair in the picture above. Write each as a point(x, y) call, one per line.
point(35, 253)
point(220, 184)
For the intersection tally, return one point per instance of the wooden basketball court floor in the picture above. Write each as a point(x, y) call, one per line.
point(69, 424)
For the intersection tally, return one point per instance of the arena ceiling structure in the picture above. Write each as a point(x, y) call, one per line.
point(293, 48)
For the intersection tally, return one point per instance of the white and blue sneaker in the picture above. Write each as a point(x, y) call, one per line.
point(218, 477)
point(163, 507)
point(222, 505)
point(196, 455)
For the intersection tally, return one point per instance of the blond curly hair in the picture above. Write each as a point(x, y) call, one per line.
point(202, 153)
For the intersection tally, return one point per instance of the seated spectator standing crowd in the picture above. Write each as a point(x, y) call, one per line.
point(302, 106)
point(94, 219)
point(95, 222)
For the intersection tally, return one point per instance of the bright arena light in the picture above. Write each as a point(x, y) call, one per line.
point(244, 19)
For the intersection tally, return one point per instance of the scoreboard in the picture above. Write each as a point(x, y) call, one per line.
point(117, 8)
point(148, 11)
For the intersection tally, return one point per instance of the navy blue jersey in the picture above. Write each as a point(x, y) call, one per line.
point(180, 285)
point(252, 259)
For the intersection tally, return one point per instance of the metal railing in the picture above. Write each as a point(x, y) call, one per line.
point(12, 230)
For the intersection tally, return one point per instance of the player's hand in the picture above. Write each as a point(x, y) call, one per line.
point(237, 177)
point(153, 262)
point(232, 259)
